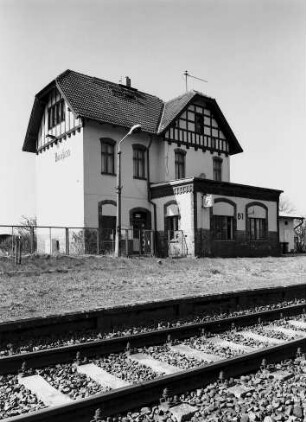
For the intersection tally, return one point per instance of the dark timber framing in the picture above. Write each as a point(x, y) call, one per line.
point(215, 128)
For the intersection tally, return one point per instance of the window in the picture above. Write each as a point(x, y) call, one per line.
point(180, 164)
point(257, 228)
point(217, 169)
point(223, 227)
point(199, 123)
point(107, 156)
point(139, 162)
point(172, 217)
point(172, 223)
point(257, 224)
point(56, 114)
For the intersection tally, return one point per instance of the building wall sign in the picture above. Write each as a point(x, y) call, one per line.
point(208, 201)
point(59, 156)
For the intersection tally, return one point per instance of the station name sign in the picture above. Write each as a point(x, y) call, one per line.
point(59, 156)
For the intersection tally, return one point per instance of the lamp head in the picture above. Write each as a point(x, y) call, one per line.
point(135, 128)
point(52, 137)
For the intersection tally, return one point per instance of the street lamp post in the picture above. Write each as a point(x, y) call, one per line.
point(135, 128)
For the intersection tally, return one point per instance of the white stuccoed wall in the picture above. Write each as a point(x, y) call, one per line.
point(286, 232)
point(204, 213)
point(197, 162)
point(60, 183)
point(186, 222)
point(99, 187)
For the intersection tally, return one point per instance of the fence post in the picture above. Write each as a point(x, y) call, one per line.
point(98, 242)
point(168, 245)
point(127, 242)
point(152, 242)
point(50, 235)
point(32, 239)
point(12, 240)
point(67, 240)
point(18, 250)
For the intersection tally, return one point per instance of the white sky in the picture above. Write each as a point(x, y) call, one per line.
point(252, 52)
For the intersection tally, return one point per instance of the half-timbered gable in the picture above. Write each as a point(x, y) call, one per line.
point(196, 121)
point(198, 127)
point(57, 121)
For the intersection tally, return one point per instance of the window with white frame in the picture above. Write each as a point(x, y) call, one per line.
point(180, 163)
point(139, 162)
point(108, 156)
point(257, 221)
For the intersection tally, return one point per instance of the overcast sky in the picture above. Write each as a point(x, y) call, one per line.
point(252, 52)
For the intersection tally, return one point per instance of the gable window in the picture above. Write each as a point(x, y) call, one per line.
point(56, 114)
point(217, 169)
point(107, 156)
point(257, 224)
point(139, 162)
point(199, 123)
point(180, 163)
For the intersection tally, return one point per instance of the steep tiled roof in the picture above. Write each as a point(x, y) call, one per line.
point(173, 107)
point(105, 101)
point(117, 104)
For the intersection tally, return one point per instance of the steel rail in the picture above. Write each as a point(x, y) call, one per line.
point(64, 354)
point(128, 398)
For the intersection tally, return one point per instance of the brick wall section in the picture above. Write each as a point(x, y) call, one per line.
point(161, 244)
point(241, 246)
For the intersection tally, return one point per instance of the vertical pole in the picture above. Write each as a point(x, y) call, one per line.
point(186, 81)
point(32, 239)
point(18, 250)
point(84, 242)
point(67, 240)
point(118, 216)
point(140, 243)
point(12, 240)
point(98, 242)
point(152, 243)
point(127, 242)
point(50, 236)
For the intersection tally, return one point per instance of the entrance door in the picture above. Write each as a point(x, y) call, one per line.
point(140, 222)
point(107, 231)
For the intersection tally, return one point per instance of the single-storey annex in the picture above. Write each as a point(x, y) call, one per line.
point(176, 191)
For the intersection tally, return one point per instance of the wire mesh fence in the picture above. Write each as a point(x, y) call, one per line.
point(73, 240)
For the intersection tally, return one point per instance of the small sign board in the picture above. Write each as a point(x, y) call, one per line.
point(208, 201)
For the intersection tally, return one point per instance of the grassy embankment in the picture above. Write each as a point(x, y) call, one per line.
point(42, 286)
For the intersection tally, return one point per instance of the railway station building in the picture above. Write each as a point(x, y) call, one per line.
point(177, 197)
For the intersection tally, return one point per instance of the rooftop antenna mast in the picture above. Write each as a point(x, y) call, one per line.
point(188, 75)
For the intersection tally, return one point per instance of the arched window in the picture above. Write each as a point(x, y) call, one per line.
point(224, 219)
point(257, 221)
point(107, 156)
point(139, 161)
point(172, 216)
point(180, 163)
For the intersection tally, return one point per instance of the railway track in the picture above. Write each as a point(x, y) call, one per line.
point(125, 372)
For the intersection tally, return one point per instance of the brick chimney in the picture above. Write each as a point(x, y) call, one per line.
point(128, 82)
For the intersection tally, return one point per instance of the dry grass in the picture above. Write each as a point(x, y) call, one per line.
point(43, 286)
